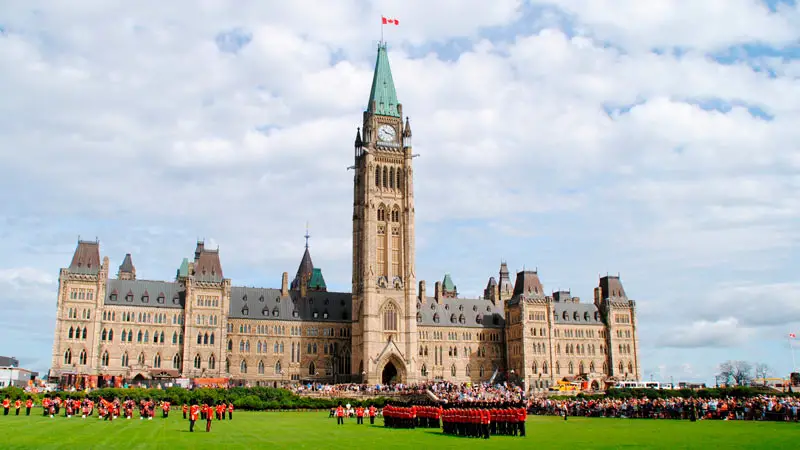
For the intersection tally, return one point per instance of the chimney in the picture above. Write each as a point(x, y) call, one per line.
point(422, 293)
point(285, 284)
point(437, 291)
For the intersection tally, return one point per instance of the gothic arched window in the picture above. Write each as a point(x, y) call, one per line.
point(68, 357)
point(390, 318)
point(377, 178)
point(104, 359)
point(385, 177)
point(212, 362)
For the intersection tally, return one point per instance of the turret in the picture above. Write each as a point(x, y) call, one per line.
point(127, 271)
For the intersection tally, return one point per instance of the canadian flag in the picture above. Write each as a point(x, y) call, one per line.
point(792, 335)
point(390, 21)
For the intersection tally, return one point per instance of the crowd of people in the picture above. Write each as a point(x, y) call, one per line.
point(475, 392)
point(753, 408)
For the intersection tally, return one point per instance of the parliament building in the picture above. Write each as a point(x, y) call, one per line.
point(115, 328)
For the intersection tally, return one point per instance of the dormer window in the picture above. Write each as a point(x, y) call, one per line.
point(575, 316)
point(475, 308)
point(295, 313)
point(325, 314)
point(176, 299)
point(129, 298)
point(113, 297)
point(261, 299)
point(316, 314)
point(447, 307)
point(462, 320)
point(460, 307)
point(145, 298)
point(265, 312)
point(597, 316)
point(433, 307)
point(276, 312)
point(488, 309)
point(419, 317)
point(565, 315)
point(479, 318)
point(326, 301)
point(245, 310)
point(586, 316)
point(436, 318)
point(160, 299)
point(244, 298)
point(453, 318)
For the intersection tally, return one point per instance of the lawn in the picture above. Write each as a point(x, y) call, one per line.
point(250, 430)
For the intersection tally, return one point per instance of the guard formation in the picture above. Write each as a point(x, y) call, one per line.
point(478, 420)
point(109, 410)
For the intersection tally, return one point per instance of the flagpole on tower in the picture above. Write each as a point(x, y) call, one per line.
point(791, 349)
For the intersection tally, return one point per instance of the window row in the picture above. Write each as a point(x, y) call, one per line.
point(72, 313)
point(578, 333)
point(388, 177)
point(81, 294)
point(77, 333)
point(202, 319)
point(205, 338)
point(423, 371)
point(207, 301)
point(143, 337)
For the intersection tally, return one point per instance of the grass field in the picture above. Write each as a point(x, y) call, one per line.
point(250, 430)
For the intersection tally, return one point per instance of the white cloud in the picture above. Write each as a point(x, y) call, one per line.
point(726, 332)
point(127, 122)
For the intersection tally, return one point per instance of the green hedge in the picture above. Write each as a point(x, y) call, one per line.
point(250, 399)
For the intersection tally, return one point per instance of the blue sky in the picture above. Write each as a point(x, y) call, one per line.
point(653, 139)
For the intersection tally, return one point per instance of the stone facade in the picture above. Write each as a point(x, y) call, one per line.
point(199, 325)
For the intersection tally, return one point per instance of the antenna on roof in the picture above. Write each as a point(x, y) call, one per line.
point(79, 238)
point(307, 235)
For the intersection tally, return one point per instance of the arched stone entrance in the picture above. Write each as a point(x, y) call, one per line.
point(389, 374)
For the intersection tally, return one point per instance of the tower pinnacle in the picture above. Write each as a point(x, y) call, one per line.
point(307, 235)
point(383, 96)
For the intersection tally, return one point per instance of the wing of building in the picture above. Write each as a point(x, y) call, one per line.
point(114, 329)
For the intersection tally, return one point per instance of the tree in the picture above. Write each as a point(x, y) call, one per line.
point(738, 373)
point(762, 371)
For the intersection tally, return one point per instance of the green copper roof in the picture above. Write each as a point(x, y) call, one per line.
point(447, 284)
point(383, 97)
point(183, 271)
point(316, 281)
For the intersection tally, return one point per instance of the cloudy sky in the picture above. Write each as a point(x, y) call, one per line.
point(657, 139)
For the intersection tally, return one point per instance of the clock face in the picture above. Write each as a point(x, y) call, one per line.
point(386, 133)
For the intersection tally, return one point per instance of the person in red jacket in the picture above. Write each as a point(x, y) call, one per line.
point(339, 415)
point(230, 411)
point(6, 405)
point(17, 405)
point(522, 415)
point(360, 415)
point(209, 417)
point(372, 415)
point(28, 406)
point(194, 411)
point(185, 410)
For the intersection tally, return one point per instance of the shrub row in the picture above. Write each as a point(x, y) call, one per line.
point(251, 399)
point(735, 392)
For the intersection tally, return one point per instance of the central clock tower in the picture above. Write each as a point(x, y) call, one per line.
point(384, 332)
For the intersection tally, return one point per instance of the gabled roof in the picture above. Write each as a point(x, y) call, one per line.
point(86, 258)
point(382, 96)
point(159, 294)
point(268, 304)
point(460, 312)
point(528, 283)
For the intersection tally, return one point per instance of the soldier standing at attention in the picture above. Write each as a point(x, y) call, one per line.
point(28, 406)
point(371, 415)
point(339, 415)
point(230, 411)
point(360, 415)
point(17, 405)
point(193, 412)
point(209, 418)
point(185, 409)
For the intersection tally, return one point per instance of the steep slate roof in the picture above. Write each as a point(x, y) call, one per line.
point(528, 283)
point(127, 264)
point(576, 314)
point(383, 96)
point(173, 293)
point(447, 283)
point(476, 312)
point(316, 281)
point(183, 270)
point(611, 287)
point(208, 266)
point(86, 259)
point(268, 304)
point(305, 270)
